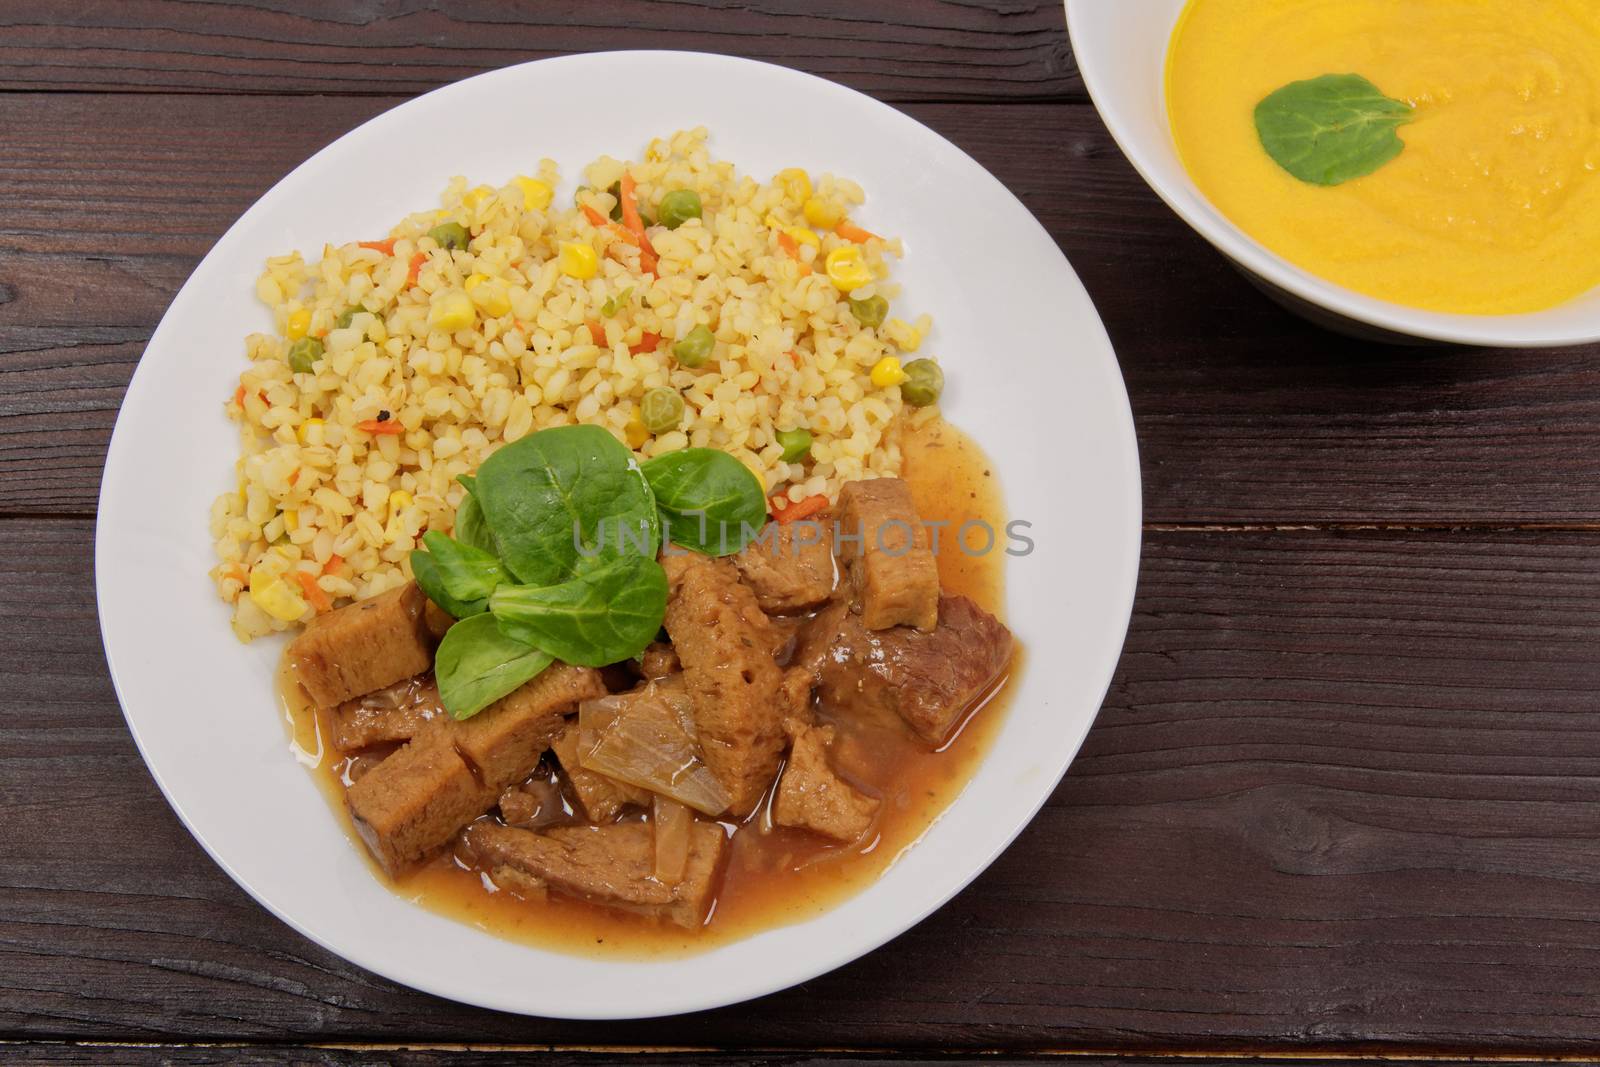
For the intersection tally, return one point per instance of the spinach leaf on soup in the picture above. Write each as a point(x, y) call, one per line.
point(425, 568)
point(561, 498)
point(1331, 129)
point(477, 664)
point(608, 613)
point(709, 501)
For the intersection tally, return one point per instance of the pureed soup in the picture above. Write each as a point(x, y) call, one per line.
point(1443, 154)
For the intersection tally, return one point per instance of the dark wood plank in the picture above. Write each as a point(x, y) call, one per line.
point(1245, 414)
point(229, 1055)
point(1341, 796)
point(896, 50)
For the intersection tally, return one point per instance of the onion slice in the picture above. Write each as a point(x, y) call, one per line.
point(646, 738)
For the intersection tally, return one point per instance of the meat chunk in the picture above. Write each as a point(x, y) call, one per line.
point(893, 576)
point(789, 567)
point(396, 713)
point(363, 646)
point(727, 646)
point(533, 804)
point(416, 800)
point(928, 679)
point(610, 865)
point(602, 797)
point(813, 797)
point(437, 620)
point(659, 660)
point(505, 740)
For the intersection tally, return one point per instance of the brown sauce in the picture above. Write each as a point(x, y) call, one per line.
point(778, 876)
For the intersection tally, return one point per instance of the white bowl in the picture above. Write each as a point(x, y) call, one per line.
point(1121, 50)
point(1031, 376)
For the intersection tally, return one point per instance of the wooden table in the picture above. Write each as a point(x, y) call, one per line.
point(1341, 798)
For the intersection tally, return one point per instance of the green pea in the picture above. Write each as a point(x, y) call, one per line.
point(347, 316)
point(871, 311)
point(678, 207)
point(796, 444)
point(924, 382)
point(661, 410)
point(450, 235)
point(303, 354)
point(695, 347)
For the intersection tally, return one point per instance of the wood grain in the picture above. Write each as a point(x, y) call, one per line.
point(893, 49)
point(230, 1055)
point(1245, 414)
point(1341, 796)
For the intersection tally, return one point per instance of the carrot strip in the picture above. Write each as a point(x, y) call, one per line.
point(851, 232)
point(315, 595)
point(390, 426)
point(648, 260)
point(238, 397)
point(335, 562)
point(795, 512)
point(630, 205)
point(385, 246)
point(597, 331)
point(415, 269)
point(792, 247)
point(295, 476)
point(647, 343)
point(596, 219)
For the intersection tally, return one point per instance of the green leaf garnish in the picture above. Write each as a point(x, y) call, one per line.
point(477, 664)
point(1331, 129)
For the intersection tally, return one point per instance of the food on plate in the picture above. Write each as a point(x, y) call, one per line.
point(1443, 154)
point(557, 745)
point(600, 535)
point(670, 301)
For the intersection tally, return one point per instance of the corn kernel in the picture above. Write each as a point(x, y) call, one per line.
point(311, 432)
point(494, 297)
point(822, 214)
point(796, 184)
point(299, 322)
point(475, 195)
point(887, 372)
point(291, 520)
point(536, 195)
point(273, 596)
point(635, 432)
point(451, 310)
point(578, 260)
point(803, 236)
point(905, 336)
point(847, 268)
point(399, 500)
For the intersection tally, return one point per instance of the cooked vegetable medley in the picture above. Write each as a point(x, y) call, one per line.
point(674, 304)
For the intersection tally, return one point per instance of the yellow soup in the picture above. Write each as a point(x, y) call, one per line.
point(1493, 207)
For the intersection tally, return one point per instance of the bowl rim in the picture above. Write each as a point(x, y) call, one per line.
point(1194, 208)
point(673, 998)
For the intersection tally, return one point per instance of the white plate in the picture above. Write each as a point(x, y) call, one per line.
point(1032, 377)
